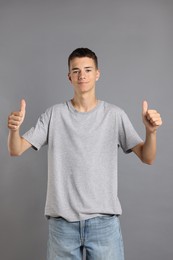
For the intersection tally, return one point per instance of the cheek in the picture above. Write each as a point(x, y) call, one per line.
point(71, 78)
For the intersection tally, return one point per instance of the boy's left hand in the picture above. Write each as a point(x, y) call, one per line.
point(151, 118)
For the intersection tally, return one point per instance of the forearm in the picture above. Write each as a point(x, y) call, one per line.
point(148, 152)
point(14, 143)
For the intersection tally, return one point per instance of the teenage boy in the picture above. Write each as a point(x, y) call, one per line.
point(83, 136)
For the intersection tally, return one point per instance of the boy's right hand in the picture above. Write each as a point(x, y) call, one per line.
point(16, 118)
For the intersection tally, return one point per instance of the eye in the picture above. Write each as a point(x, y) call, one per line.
point(75, 71)
point(88, 70)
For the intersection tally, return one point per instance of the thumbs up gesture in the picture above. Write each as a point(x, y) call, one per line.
point(16, 118)
point(151, 118)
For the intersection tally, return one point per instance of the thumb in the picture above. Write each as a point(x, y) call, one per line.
point(23, 106)
point(144, 107)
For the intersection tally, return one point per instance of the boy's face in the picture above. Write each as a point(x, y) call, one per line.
point(83, 74)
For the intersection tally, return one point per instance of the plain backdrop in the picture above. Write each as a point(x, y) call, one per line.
point(133, 40)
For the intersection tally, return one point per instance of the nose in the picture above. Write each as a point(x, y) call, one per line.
point(82, 75)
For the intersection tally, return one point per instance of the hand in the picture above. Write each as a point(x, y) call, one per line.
point(151, 118)
point(16, 118)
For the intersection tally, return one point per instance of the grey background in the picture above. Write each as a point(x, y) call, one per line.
point(133, 40)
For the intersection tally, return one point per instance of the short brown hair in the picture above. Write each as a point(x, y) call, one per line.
point(83, 52)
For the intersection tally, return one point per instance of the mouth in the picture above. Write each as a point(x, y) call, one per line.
point(82, 82)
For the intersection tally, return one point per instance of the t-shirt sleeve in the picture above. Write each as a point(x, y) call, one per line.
point(128, 137)
point(37, 136)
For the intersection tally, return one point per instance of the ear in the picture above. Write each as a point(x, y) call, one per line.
point(69, 77)
point(97, 75)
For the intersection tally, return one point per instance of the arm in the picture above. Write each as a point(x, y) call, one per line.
point(147, 151)
point(16, 144)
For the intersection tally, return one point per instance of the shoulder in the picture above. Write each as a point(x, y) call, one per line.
point(52, 112)
point(56, 108)
point(113, 108)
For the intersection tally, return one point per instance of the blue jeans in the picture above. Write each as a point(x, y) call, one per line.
point(100, 236)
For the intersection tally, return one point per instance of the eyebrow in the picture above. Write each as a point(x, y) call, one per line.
point(88, 67)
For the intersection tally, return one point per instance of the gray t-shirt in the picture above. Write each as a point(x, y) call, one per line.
point(82, 158)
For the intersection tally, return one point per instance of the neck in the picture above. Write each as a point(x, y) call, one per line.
point(84, 103)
